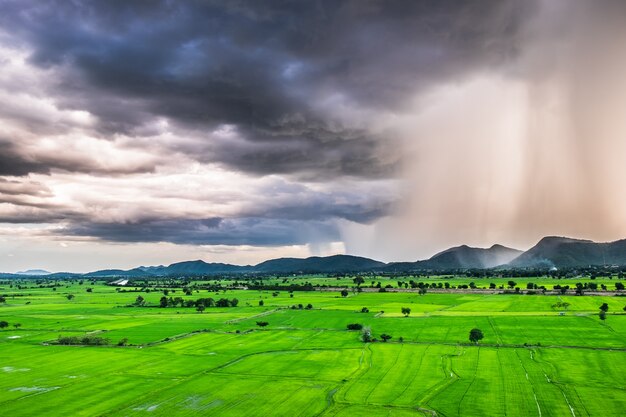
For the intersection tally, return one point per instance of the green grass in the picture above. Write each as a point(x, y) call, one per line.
point(305, 363)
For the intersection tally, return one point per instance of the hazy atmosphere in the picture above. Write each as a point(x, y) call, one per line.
point(141, 133)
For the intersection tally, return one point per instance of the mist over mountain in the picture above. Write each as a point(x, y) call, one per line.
point(562, 252)
point(460, 257)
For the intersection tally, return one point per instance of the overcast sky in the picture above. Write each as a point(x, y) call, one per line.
point(147, 132)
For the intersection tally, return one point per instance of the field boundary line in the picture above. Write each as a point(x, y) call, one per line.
point(385, 374)
point(263, 314)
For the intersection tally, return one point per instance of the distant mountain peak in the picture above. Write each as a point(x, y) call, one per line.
point(563, 252)
point(33, 272)
point(562, 239)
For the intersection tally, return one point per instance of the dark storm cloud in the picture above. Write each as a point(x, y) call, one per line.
point(293, 219)
point(14, 164)
point(212, 231)
point(255, 65)
point(312, 153)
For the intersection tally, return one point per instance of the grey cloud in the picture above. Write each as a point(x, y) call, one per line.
point(212, 231)
point(14, 164)
point(314, 154)
point(18, 162)
point(30, 188)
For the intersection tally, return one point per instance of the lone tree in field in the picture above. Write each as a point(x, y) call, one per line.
point(354, 326)
point(358, 281)
point(200, 308)
point(604, 307)
point(366, 334)
point(70, 297)
point(344, 293)
point(261, 303)
point(262, 323)
point(406, 311)
point(163, 302)
point(2, 299)
point(602, 315)
point(4, 324)
point(385, 337)
point(475, 335)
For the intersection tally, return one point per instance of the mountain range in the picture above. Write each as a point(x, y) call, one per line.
point(549, 252)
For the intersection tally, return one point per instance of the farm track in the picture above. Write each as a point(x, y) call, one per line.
point(384, 375)
point(265, 313)
point(531, 385)
point(449, 374)
point(415, 374)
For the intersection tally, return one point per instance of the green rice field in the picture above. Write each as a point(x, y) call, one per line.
point(534, 359)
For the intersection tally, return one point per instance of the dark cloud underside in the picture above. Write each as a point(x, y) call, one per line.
point(213, 231)
point(264, 67)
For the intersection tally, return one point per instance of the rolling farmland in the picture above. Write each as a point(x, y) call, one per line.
point(534, 360)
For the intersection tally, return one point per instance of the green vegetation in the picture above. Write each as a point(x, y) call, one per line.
point(134, 351)
point(475, 335)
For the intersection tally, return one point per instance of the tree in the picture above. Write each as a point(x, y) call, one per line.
point(262, 323)
point(358, 281)
point(561, 304)
point(200, 308)
point(604, 307)
point(406, 311)
point(344, 293)
point(355, 326)
point(366, 334)
point(385, 337)
point(123, 342)
point(511, 284)
point(70, 297)
point(17, 325)
point(2, 299)
point(365, 310)
point(261, 303)
point(140, 301)
point(163, 302)
point(619, 286)
point(475, 335)
point(602, 315)
point(4, 324)
point(308, 306)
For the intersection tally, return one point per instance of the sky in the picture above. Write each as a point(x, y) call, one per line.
point(150, 132)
